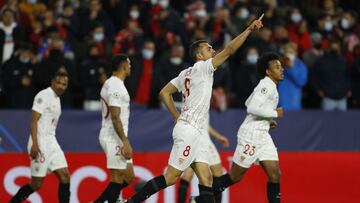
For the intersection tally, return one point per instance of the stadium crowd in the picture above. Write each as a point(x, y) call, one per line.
point(319, 41)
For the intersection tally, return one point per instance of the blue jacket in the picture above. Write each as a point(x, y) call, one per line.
point(290, 89)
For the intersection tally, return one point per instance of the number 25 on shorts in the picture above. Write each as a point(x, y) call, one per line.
point(249, 150)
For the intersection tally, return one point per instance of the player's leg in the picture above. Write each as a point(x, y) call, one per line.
point(26, 190)
point(269, 161)
point(184, 184)
point(204, 175)
point(217, 172)
point(63, 175)
point(273, 173)
point(118, 168)
point(156, 184)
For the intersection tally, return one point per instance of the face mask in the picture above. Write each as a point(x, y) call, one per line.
point(24, 59)
point(134, 14)
point(175, 60)
point(244, 13)
point(32, 1)
point(200, 13)
point(296, 17)
point(291, 56)
point(164, 3)
point(252, 58)
point(98, 37)
point(345, 23)
point(147, 54)
point(328, 26)
point(153, 2)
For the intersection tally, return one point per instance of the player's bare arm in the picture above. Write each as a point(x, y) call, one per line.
point(35, 150)
point(218, 137)
point(115, 118)
point(166, 97)
point(273, 124)
point(234, 44)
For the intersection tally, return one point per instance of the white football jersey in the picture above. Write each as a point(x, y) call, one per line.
point(261, 106)
point(114, 93)
point(195, 84)
point(47, 103)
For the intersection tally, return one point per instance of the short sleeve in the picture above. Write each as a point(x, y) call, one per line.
point(40, 103)
point(177, 83)
point(115, 96)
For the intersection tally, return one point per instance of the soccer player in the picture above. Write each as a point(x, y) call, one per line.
point(43, 147)
point(214, 163)
point(254, 140)
point(114, 130)
point(189, 134)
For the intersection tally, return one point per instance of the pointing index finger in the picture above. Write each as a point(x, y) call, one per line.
point(261, 17)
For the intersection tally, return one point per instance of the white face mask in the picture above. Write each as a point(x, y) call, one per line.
point(134, 14)
point(244, 13)
point(164, 3)
point(98, 37)
point(153, 2)
point(252, 58)
point(175, 60)
point(296, 17)
point(345, 23)
point(24, 59)
point(290, 56)
point(200, 13)
point(147, 53)
point(328, 26)
point(32, 1)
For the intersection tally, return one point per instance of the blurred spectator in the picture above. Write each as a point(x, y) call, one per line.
point(93, 74)
point(18, 77)
point(96, 36)
point(331, 80)
point(298, 31)
point(140, 82)
point(33, 8)
point(295, 77)
point(93, 15)
point(54, 62)
point(327, 27)
point(355, 79)
point(240, 16)
point(52, 34)
point(170, 68)
point(330, 8)
point(10, 33)
point(315, 52)
point(70, 21)
point(21, 17)
point(130, 39)
point(246, 77)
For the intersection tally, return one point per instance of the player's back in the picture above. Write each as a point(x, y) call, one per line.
point(114, 93)
point(195, 84)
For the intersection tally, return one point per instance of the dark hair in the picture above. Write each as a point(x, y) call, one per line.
point(60, 73)
point(263, 62)
point(195, 48)
point(117, 60)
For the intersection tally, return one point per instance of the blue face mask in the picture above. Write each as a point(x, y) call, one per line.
point(252, 58)
point(328, 26)
point(98, 37)
point(147, 53)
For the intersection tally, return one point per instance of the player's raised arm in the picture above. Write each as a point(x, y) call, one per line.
point(165, 96)
point(231, 48)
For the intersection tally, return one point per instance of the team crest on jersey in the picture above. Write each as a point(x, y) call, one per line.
point(181, 160)
point(264, 90)
point(39, 101)
point(116, 95)
point(242, 158)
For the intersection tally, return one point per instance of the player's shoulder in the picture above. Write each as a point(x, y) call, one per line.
point(44, 93)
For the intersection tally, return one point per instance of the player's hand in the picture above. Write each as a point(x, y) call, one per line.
point(256, 24)
point(280, 112)
point(273, 124)
point(223, 141)
point(34, 151)
point(127, 150)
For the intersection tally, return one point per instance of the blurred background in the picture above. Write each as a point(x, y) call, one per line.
point(319, 44)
